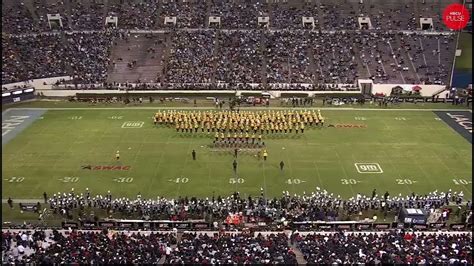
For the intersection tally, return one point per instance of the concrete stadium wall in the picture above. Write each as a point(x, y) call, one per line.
point(38, 84)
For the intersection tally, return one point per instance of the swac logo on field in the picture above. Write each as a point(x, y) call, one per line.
point(106, 167)
point(348, 126)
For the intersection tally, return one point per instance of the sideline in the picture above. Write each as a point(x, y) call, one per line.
point(241, 108)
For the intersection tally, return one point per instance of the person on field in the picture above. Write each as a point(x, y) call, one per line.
point(265, 154)
point(236, 152)
point(282, 164)
point(45, 196)
point(117, 155)
point(10, 202)
point(194, 155)
point(234, 165)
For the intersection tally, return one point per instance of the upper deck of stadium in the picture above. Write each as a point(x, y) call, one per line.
point(28, 16)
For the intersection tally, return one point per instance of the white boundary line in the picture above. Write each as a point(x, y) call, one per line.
point(242, 108)
point(378, 165)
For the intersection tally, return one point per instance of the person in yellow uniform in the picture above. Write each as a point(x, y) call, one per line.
point(246, 137)
point(302, 127)
point(265, 155)
point(235, 137)
point(321, 119)
point(222, 136)
point(253, 138)
point(260, 138)
point(117, 155)
point(216, 136)
point(177, 127)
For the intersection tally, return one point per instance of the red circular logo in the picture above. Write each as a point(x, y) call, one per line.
point(455, 16)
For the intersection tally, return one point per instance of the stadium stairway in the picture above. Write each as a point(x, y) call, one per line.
point(299, 255)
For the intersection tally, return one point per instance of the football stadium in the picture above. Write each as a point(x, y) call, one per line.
point(237, 132)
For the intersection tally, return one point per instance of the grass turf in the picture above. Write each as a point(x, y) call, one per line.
point(416, 152)
point(465, 44)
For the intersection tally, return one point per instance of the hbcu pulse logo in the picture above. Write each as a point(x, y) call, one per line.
point(456, 16)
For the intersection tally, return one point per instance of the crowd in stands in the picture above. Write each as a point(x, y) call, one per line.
point(85, 247)
point(234, 58)
point(231, 57)
point(25, 17)
point(318, 205)
point(390, 248)
point(107, 247)
point(81, 55)
point(227, 249)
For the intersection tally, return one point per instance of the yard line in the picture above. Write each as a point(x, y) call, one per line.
point(291, 171)
point(345, 173)
point(395, 167)
point(449, 170)
point(182, 169)
point(319, 175)
point(264, 184)
point(426, 176)
point(158, 164)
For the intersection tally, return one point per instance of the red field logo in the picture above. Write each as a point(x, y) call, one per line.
point(106, 167)
point(455, 16)
point(349, 126)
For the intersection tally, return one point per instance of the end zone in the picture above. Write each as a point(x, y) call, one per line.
point(460, 121)
point(16, 120)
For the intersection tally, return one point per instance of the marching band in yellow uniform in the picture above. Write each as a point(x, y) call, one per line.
point(230, 125)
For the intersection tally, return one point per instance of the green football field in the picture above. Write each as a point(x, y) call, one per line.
point(397, 151)
point(465, 44)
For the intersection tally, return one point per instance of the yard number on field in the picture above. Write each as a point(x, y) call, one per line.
point(368, 168)
point(133, 124)
point(178, 180)
point(405, 181)
point(461, 182)
point(116, 117)
point(349, 181)
point(400, 118)
point(236, 180)
point(123, 179)
point(360, 118)
point(15, 179)
point(294, 181)
point(75, 117)
point(69, 179)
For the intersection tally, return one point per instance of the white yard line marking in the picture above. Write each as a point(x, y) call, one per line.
point(344, 170)
point(319, 175)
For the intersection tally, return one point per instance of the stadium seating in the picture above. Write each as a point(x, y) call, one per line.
point(84, 247)
point(391, 248)
point(249, 57)
point(252, 55)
